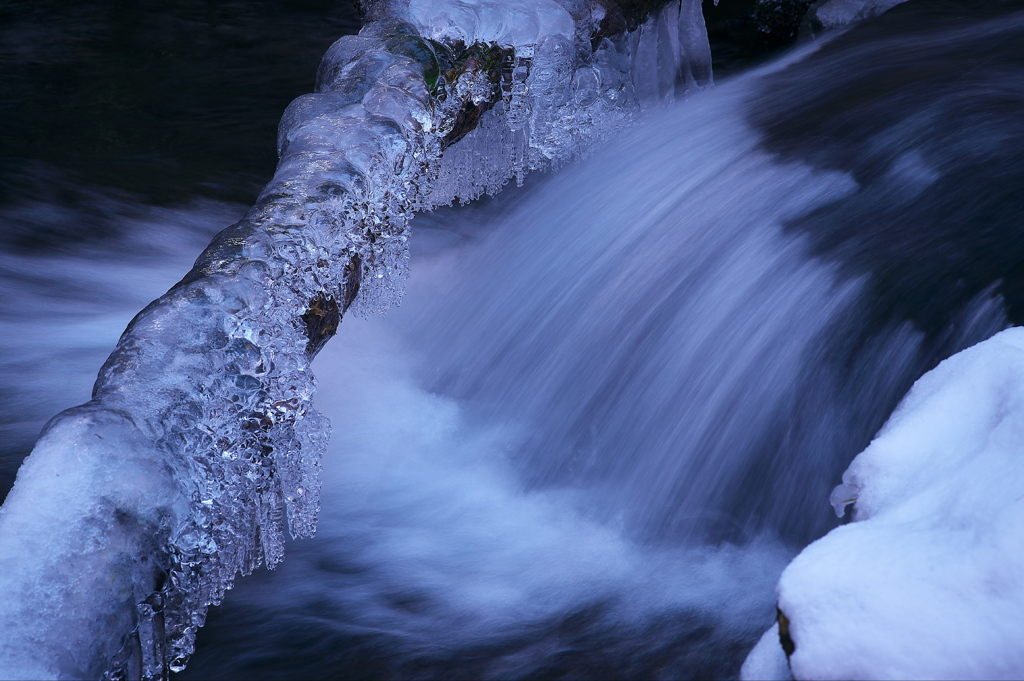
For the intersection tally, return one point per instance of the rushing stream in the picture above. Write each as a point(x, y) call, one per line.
point(615, 400)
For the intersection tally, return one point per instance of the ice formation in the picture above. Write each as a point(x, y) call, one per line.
point(928, 581)
point(519, 23)
point(836, 13)
point(200, 445)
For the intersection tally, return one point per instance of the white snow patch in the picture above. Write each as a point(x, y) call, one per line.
point(840, 12)
point(767, 661)
point(929, 582)
point(518, 23)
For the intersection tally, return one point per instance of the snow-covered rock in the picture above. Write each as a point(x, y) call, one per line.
point(928, 582)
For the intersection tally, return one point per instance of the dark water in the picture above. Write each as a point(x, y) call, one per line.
point(168, 100)
point(614, 402)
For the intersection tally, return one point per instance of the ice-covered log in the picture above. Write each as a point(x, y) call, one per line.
point(928, 581)
point(136, 511)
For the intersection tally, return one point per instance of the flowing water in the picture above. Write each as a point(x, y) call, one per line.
point(615, 400)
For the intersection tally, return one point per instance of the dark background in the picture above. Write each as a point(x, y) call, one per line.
point(166, 99)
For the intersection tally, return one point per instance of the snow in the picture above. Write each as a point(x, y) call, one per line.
point(519, 23)
point(928, 582)
point(767, 660)
point(839, 12)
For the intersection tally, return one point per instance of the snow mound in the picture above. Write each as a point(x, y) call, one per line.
point(519, 23)
point(928, 582)
point(840, 12)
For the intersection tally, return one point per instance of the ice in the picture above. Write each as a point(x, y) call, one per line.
point(205, 404)
point(518, 23)
point(561, 95)
point(78, 535)
point(840, 12)
point(842, 496)
point(928, 581)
